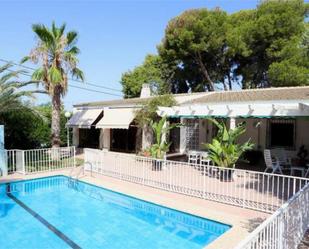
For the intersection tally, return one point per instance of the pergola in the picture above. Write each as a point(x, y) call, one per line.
point(288, 109)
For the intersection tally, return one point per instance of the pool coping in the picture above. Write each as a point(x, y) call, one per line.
point(174, 201)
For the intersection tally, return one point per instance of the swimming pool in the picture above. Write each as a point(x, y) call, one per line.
point(58, 212)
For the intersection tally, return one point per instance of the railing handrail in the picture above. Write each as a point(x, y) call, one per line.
point(186, 163)
point(38, 160)
point(266, 222)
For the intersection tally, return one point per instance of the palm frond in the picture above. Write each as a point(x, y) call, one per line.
point(5, 67)
point(61, 29)
point(25, 59)
point(43, 33)
point(54, 75)
point(11, 92)
point(39, 74)
point(72, 37)
point(78, 74)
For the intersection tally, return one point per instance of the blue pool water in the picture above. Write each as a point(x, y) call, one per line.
point(56, 212)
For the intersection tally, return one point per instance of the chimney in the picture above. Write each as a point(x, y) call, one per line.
point(145, 92)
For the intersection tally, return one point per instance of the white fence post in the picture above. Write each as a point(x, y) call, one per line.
point(74, 157)
point(23, 162)
point(4, 162)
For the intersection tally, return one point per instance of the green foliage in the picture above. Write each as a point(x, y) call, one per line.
point(153, 71)
point(271, 44)
point(25, 129)
point(160, 129)
point(224, 150)
point(19, 129)
point(196, 42)
point(43, 129)
point(148, 112)
point(209, 49)
point(11, 90)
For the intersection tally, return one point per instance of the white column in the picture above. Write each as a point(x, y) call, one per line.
point(106, 139)
point(182, 146)
point(3, 155)
point(147, 137)
point(164, 135)
point(101, 139)
point(232, 123)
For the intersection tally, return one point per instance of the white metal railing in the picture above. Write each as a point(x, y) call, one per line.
point(255, 190)
point(285, 228)
point(39, 160)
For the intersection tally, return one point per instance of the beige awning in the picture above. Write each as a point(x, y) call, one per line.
point(117, 118)
point(84, 118)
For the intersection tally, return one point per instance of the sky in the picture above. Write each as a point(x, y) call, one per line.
point(114, 36)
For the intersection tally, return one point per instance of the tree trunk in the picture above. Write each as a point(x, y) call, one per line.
point(211, 85)
point(230, 82)
point(56, 110)
point(224, 85)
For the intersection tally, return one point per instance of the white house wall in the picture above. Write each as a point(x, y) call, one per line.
point(302, 133)
point(253, 133)
point(106, 134)
point(301, 136)
point(101, 139)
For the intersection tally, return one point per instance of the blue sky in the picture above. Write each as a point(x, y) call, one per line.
point(114, 36)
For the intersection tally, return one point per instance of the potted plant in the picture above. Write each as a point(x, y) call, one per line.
point(159, 148)
point(224, 150)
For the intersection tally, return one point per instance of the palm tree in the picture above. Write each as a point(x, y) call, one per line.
point(56, 52)
point(10, 90)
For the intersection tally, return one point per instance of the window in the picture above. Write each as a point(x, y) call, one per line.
point(124, 140)
point(281, 133)
point(89, 138)
point(192, 134)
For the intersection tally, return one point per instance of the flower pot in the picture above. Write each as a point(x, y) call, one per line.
point(157, 165)
point(226, 175)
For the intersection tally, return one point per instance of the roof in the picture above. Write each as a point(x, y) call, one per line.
point(180, 98)
point(254, 95)
point(249, 95)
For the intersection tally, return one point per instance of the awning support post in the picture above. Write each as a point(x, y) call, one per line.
point(232, 123)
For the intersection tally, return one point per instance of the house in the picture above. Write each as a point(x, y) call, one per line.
point(274, 117)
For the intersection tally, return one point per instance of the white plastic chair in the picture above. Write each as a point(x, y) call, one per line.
point(271, 164)
point(204, 160)
point(286, 162)
point(281, 155)
point(193, 157)
point(207, 163)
